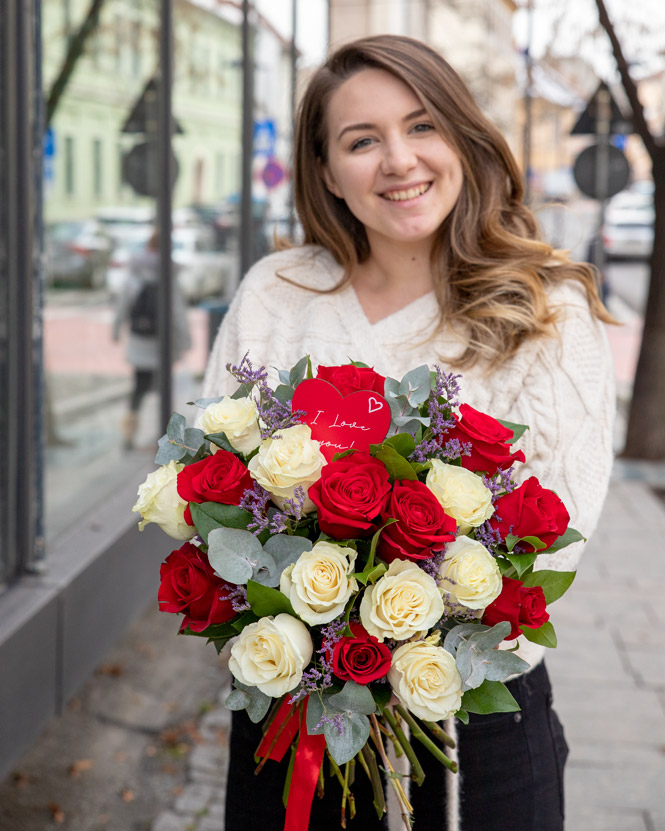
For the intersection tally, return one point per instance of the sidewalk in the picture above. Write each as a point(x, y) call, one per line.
point(144, 746)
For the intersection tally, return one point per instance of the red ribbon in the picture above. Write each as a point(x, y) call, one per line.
point(307, 765)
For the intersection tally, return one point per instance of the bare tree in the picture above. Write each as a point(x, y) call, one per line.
point(645, 438)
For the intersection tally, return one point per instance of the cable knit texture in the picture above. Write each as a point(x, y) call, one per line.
point(561, 387)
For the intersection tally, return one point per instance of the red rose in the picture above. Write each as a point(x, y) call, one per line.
point(360, 658)
point(531, 511)
point(349, 378)
point(519, 605)
point(490, 450)
point(422, 526)
point(350, 495)
point(189, 585)
point(221, 477)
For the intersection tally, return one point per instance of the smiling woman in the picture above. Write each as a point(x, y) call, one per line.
point(419, 251)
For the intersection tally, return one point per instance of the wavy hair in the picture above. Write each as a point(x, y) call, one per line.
point(491, 270)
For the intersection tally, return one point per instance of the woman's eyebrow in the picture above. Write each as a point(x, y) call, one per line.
point(369, 126)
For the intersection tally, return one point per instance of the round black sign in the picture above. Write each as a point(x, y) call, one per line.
point(585, 171)
point(139, 168)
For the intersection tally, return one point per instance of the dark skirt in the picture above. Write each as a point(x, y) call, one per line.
point(511, 775)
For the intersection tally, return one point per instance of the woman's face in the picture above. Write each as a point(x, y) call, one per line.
point(386, 160)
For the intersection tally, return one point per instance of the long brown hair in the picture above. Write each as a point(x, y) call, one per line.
point(490, 268)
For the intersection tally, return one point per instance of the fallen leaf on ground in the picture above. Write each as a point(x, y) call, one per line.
point(79, 766)
point(127, 795)
point(57, 814)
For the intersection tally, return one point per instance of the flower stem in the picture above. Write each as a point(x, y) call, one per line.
point(417, 772)
point(368, 761)
point(407, 808)
point(417, 733)
point(440, 733)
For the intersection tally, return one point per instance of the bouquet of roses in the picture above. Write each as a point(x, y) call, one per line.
point(362, 543)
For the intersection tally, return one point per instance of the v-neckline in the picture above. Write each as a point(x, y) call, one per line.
point(389, 319)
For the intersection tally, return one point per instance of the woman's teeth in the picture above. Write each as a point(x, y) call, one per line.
point(402, 195)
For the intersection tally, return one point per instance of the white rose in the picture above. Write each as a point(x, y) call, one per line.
point(320, 582)
point(462, 494)
point(158, 501)
point(237, 418)
point(470, 574)
point(402, 603)
point(289, 459)
point(426, 680)
point(271, 654)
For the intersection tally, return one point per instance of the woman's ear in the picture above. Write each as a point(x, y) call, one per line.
point(328, 179)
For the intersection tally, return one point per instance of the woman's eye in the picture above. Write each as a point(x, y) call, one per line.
point(360, 143)
point(423, 128)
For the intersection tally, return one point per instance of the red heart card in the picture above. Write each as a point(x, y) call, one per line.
point(341, 422)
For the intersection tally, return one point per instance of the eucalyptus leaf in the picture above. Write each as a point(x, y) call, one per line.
point(259, 702)
point(286, 549)
point(553, 583)
point(416, 385)
point(460, 633)
point(489, 697)
point(264, 570)
point(502, 664)
point(283, 393)
point(344, 745)
point(314, 715)
point(175, 429)
point(354, 698)
point(491, 638)
point(284, 377)
point(232, 553)
point(168, 451)
point(237, 700)
point(206, 402)
point(194, 438)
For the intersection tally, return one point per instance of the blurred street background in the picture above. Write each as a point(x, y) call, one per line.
point(174, 117)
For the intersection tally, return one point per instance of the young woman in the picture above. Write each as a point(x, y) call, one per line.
point(418, 249)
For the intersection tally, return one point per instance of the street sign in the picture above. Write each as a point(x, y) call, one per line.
point(142, 117)
point(265, 137)
point(617, 171)
point(587, 123)
point(272, 174)
point(139, 169)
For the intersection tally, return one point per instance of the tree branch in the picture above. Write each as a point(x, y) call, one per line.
point(639, 121)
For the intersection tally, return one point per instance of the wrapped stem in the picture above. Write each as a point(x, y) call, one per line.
point(417, 772)
point(425, 740)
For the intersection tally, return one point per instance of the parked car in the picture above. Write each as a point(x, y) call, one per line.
point(202, 271)
point(126, 224)
point(628, 227)
point(77, 253)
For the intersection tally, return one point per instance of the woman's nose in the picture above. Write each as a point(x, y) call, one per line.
point(398, 157)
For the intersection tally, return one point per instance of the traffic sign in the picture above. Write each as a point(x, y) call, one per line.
point(272, 174)
point(586, 169)
point(587, 123)
point(139, 168)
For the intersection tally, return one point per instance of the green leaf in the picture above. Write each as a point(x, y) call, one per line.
point(463, 716)
point(355, 732)
point(553, 583)
point(518, 429)
point(298, 372)
point(381, 694)
point(571, 535)
point(521, 562)
point(512, 540)
point(403, 443)
point(354, 698)
point(543, 635)
point(489, 697)
point(209, 515)
point(239, 623)
point(235, 554)
point(267, 601)
point(397, 465)
point(283, 394)
point(220, 440)
point(289, 776)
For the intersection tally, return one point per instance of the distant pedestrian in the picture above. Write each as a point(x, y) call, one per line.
point(137, 309)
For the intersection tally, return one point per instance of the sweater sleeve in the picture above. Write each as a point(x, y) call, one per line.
point(568, 401)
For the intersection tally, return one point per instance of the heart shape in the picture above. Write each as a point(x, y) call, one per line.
point(340, 422)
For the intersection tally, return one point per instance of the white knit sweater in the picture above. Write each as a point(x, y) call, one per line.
point(562, 388)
